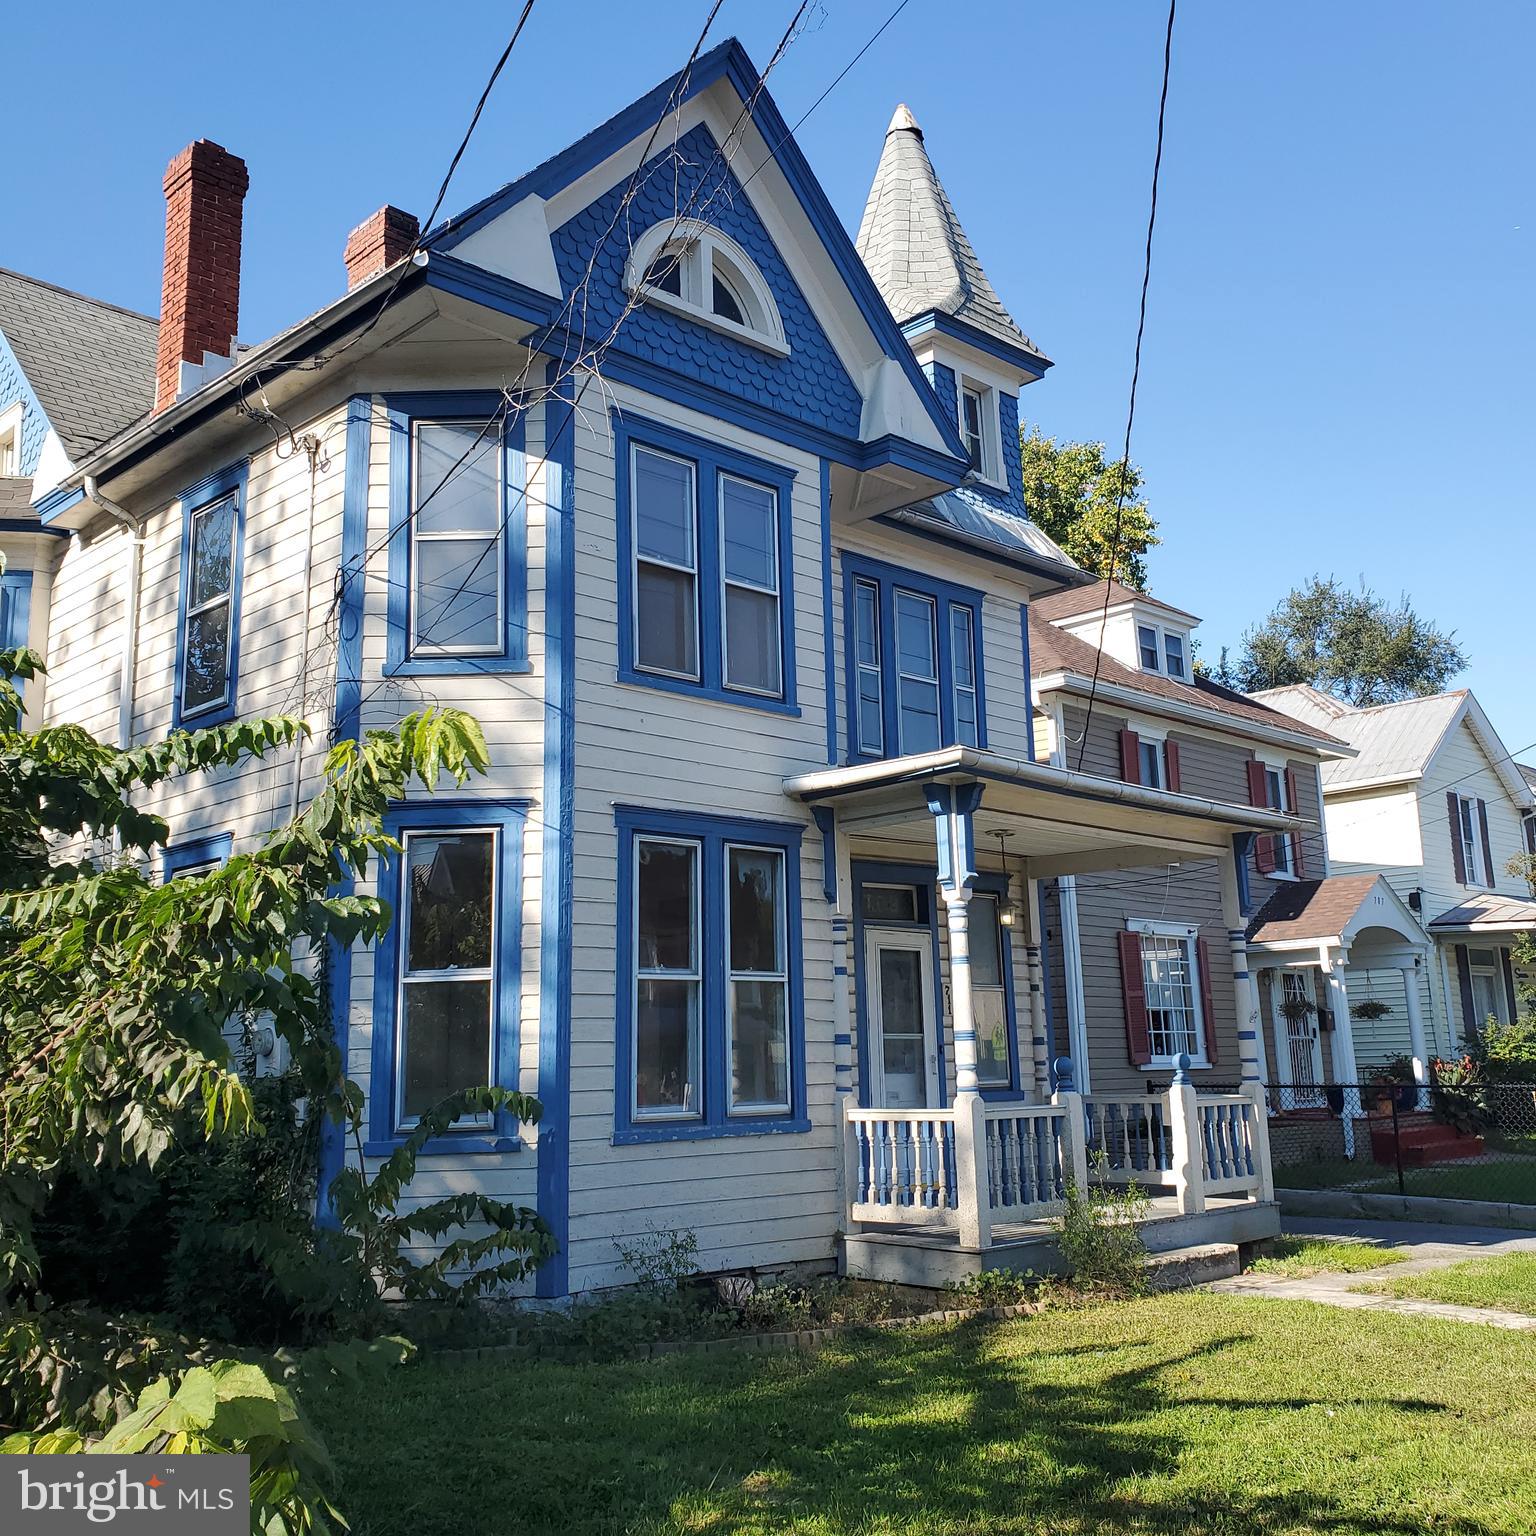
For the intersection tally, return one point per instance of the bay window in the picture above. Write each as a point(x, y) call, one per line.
point(705, 600)
point(914, 662)
point(708, 989)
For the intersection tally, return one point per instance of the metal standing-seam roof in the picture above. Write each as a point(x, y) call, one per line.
point(91, 365)
point(1392, 741)
point(914, 247)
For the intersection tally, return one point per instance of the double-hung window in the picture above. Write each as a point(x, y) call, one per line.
point(457, 540)
point(709, 1013)
point(195, 855)
point(446, 978)
point(991, 992)
point(704, 535)
point(1163, 650)
point(914, 673)
point(208, 623)
point(1279, 800)
point(1470, 829)
point(1167, 993)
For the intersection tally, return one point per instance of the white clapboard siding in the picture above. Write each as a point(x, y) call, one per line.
point(752, 1199)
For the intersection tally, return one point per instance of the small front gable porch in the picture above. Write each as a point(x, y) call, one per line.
point(958, 1133)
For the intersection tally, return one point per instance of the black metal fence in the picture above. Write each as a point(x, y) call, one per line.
point(1456, 1142)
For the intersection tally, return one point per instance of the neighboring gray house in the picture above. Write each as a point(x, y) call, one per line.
point(1123, 941)
point(73, 372)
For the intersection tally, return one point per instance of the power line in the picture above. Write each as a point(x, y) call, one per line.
point(1130, 415)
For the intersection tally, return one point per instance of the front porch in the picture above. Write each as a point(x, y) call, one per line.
point(961, 1134)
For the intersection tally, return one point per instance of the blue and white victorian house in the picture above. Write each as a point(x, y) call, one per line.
point(713, 516)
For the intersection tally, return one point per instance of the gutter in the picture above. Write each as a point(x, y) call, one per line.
point(135, 531)
point(975, 763)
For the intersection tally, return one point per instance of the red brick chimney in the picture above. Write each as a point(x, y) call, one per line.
point(200, 292)
point(379, 242)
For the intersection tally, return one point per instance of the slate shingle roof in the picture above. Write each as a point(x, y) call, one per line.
point(914, 247)
point(91, 365)
point(1052, 649)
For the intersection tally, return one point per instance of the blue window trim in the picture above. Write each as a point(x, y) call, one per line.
point(946, 595)
point(17, 609)
point(925, 876)
point(229, 481)
point(710, 461)
point(713, 832)
point(449, 815)
point(404, 410)
point(215, 848)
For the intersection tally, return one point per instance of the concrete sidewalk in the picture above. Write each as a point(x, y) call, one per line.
point(1429, 1245)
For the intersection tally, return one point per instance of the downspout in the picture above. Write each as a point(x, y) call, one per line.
point(135, 531)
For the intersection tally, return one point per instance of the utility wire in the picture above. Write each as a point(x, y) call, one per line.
point(1130, 415)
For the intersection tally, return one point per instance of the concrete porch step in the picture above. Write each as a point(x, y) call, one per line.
point(1178, 1269)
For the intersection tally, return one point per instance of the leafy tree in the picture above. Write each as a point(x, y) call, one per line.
point(1070, 490)
point(117, 999)
point(1352, 644)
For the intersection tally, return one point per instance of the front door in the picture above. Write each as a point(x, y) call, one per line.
point(1303, 1048)
point(898, 991)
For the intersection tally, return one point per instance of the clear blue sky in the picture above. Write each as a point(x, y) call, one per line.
point(1338, 374)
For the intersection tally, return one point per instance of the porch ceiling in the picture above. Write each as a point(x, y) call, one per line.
point(1063, 822)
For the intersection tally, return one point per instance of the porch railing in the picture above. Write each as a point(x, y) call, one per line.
point(977, 1163)
point(1128, 1137)
point(1228, 1124)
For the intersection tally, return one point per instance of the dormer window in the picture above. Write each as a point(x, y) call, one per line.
point(695, 270)
point(1163, 650)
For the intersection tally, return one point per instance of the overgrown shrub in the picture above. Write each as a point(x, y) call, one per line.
point(1100, 1240)
point(1509, 1051)
point(997, 1288)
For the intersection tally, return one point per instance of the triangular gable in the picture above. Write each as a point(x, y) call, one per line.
point(897, 402)
point(1485, 741)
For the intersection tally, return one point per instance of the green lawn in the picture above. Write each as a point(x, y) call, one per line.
point(1512, 1182)
point(1506, 1282)
point(1189, 1413)
point(1297, 1257)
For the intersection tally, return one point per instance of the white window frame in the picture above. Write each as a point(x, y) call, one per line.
point(780, 977)
point(1160, 635)
point(637, 559)
point(700, 248)
point(420, 645)
point(1155, 737)
point(10, 439)
point(1170, 637)
point(694, 974)
point(990, 465)
point(1469, 829)
point(404, 976)
point(1276, 796)
point(776, 591)
point(1494, 975)
point(1188, 934)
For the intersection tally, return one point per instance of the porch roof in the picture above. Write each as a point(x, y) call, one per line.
point(1488, 914)
point(1334, 911)
point(1067, 822)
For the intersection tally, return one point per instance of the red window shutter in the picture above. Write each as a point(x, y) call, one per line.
point(1130, 757)
point(1298, 861)
point(1482, 820)
point(1453, 810)
point(1133, 981)
point(1173, 766)
point(1258, 794)
point(1207, 1012)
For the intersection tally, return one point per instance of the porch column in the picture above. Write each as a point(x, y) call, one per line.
point(1244, 996)
point(1416, 1045)
point(953, 807)
point(1034, 963)
point(1345, 1068)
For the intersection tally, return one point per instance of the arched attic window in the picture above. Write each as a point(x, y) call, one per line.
point(693, 268)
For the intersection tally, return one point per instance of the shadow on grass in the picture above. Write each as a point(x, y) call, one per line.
point(967, 1430)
